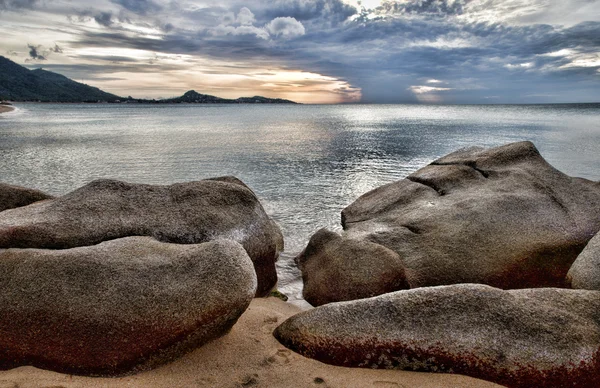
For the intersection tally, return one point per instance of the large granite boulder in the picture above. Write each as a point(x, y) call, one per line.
point(585, 271)
point(16, 196)
point(518, 338)
point(333, 269)
point(500, 216)
point(120, 306)
point(184, 213)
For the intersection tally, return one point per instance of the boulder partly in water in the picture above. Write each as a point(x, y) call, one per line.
point(120, 306)
point(517, 338)
point(501, 216)
point(333, 269)
point(183, 213)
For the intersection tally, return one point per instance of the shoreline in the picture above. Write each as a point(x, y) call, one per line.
point(592, 105)
point(6, 108)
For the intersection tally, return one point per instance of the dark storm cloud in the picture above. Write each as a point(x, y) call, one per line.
point(529, 42)
point(436, 7)
point(38, 53)
point(167, 27)
point(331, 12)
point(585, 34)
point(140, 7)
point(56, 49)
point(35, 54)
point(210, 16)
point(104, 18)
point(17, 4)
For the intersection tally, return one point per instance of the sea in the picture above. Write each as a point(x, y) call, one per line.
point(304, 162)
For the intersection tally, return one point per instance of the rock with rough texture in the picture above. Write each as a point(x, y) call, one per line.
point(248, 356)
point(585, 271)
point(520, 338)
point(501, 216)
point(333, 269)
point(17, 196)
point(120, 306)
point(183, 213)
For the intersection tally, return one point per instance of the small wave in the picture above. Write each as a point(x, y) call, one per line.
point(15, 111)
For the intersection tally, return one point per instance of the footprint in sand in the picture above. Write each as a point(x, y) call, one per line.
point(269, 324)
point(250, 380)
point(271, 319)
point(281, 357)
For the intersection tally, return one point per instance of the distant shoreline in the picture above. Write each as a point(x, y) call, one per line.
point(6, 108)
point(162, 102)
point(155, 102)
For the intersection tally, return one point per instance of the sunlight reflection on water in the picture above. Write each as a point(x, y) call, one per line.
point(306, 163)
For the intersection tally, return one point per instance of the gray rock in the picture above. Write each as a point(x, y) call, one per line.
point(185, 213)
point(17, 196)
point(585, 271)
point(333, 269)
point(120, 306)
point(501, 216)
point(519, 338)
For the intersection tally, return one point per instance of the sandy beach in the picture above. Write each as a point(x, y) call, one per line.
point(6, 108)
point(247, 356)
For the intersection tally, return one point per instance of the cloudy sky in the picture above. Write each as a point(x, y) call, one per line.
point(319, 51)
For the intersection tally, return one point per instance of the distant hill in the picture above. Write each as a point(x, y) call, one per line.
point(18, 83)
point(193, 97)
point(263, 100)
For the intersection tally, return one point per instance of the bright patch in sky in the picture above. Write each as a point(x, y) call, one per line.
point(428, 94)
point(295, 85)
point(114, 52)
point(427, 89)
point(592, 61)
point(559, 53)
point(526, 65)
point(368, 4)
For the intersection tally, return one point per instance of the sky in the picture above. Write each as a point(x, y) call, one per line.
point(316, 51)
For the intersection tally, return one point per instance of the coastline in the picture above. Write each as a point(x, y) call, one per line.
point(6, 108)
point(248, 355)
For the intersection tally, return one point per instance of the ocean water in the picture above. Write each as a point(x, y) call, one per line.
point(305, 162)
